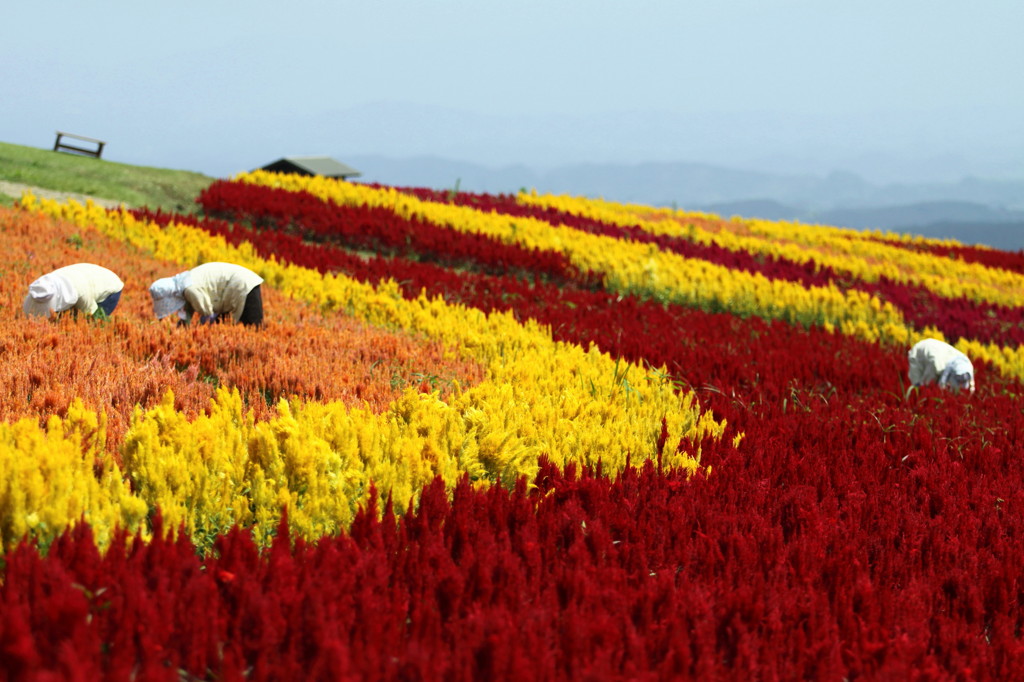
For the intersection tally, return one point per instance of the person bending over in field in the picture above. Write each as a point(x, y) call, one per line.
point(933, 361)
point(216, 291)
point(82, 287)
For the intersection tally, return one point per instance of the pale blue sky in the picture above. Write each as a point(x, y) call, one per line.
point(220, 86)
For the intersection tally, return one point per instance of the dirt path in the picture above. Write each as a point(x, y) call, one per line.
point(15, 189)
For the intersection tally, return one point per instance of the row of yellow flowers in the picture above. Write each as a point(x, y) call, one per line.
point(645, 269)
point(843, 250)
point(318, 460)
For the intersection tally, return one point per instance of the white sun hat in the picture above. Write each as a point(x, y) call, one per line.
point(169, 294)
point(49, 294)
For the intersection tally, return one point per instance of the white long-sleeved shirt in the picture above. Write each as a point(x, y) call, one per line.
point(934, 361)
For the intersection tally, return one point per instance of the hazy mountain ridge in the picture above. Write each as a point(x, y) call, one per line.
point(966, 210)
point(685, 184)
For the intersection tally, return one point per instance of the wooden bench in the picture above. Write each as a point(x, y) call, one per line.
point(59, 146)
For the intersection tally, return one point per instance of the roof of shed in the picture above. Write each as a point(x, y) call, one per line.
point(318, 165)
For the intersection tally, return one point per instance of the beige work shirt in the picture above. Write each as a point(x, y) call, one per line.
point(219, 288)
point(92, 283)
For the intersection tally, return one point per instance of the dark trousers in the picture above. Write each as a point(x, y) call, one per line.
point(110, 302)
point(252, 313)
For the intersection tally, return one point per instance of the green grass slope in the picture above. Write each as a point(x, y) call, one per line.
point(172, 190)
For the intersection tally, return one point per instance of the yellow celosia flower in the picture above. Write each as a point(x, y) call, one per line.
point(56, 476)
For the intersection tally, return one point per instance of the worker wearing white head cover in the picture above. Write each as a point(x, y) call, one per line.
point(933, 361)
point(84, 287)
point(214, 290)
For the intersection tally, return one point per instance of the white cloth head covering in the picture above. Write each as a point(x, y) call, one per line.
point(49, 293)
point(961, 372)
point(169, 294)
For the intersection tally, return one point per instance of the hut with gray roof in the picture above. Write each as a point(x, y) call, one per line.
point(312, 165)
